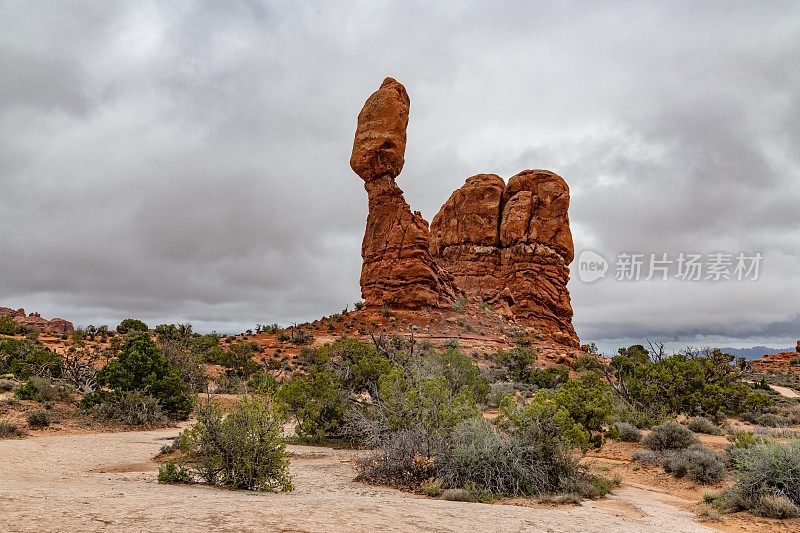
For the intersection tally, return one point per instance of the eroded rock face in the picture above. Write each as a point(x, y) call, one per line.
point(510, 246)
point(507, 245)
point(398, 269)
point(55, 326)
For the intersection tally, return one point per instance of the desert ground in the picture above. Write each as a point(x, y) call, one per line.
point(107, 482)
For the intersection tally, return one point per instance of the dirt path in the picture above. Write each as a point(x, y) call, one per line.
point(106, 482)
point(785, 391)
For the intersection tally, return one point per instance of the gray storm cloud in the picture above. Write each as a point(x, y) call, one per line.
point(189, 162)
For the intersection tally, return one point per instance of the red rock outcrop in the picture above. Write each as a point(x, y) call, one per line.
point(55, 326)
point(510, 246)
point(507, 245)
point(398, 269)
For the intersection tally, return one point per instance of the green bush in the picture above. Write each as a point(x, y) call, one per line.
point(25, 358)
point(626, 432)
point(38, 419)
point(7, 326)
point(173, 473)
point(549, 377)
point(243, 450)
point(9, 430)
point(131, 325)
point(516, 364)
point(669, 436)
point(316, 404)
point(767, 479)
point(140, 366)
point(261, 383)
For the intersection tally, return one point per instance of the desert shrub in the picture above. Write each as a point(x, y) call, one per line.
point(38, 418)
point(703, 425)
point(132, 408)
point(647, 457)
point(9, 430)
point(627, 432)
point(404, 458)
point(515, 364)
point(477, 456)
point(243, 450)
point(140, 366)
point(771, 420)
point(7, 325)
point(587, 399)
point(316, 404)
point(697, 463)
point(770, 470)
point(776, 506)
point(549, 377)
point(43, 390)
point(26, 391)
point(261, 383)
point(187, 361)
point(497, 392)
point(25, 358)
point(458, 495)
point(691, 382)
point(743, 439)
point(131, 325)
point(173, 473)
point(669, 436)
point(239, 359)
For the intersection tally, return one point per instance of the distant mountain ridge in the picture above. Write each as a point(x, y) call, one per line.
point(756, 352)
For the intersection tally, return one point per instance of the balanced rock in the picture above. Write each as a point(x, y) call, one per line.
point(398, 269)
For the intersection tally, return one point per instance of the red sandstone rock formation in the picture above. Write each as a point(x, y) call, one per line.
point(398, 270)
point(56, 326)
point(510, 246)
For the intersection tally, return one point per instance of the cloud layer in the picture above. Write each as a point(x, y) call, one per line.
point(189, 162)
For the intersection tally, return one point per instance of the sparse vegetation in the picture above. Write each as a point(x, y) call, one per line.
point(703, 425)
point(173, 473)
point(38, 418)
point(243, 450)
point(128, 407)
point(9, 430)
point(697, 463)
point(767, 479)
point(669, 436)
point(627, 432)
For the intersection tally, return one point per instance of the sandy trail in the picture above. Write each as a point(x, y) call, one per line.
point(785, 391)
point(106, 482)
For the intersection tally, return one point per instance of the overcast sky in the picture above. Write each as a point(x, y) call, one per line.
point(183, 161)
